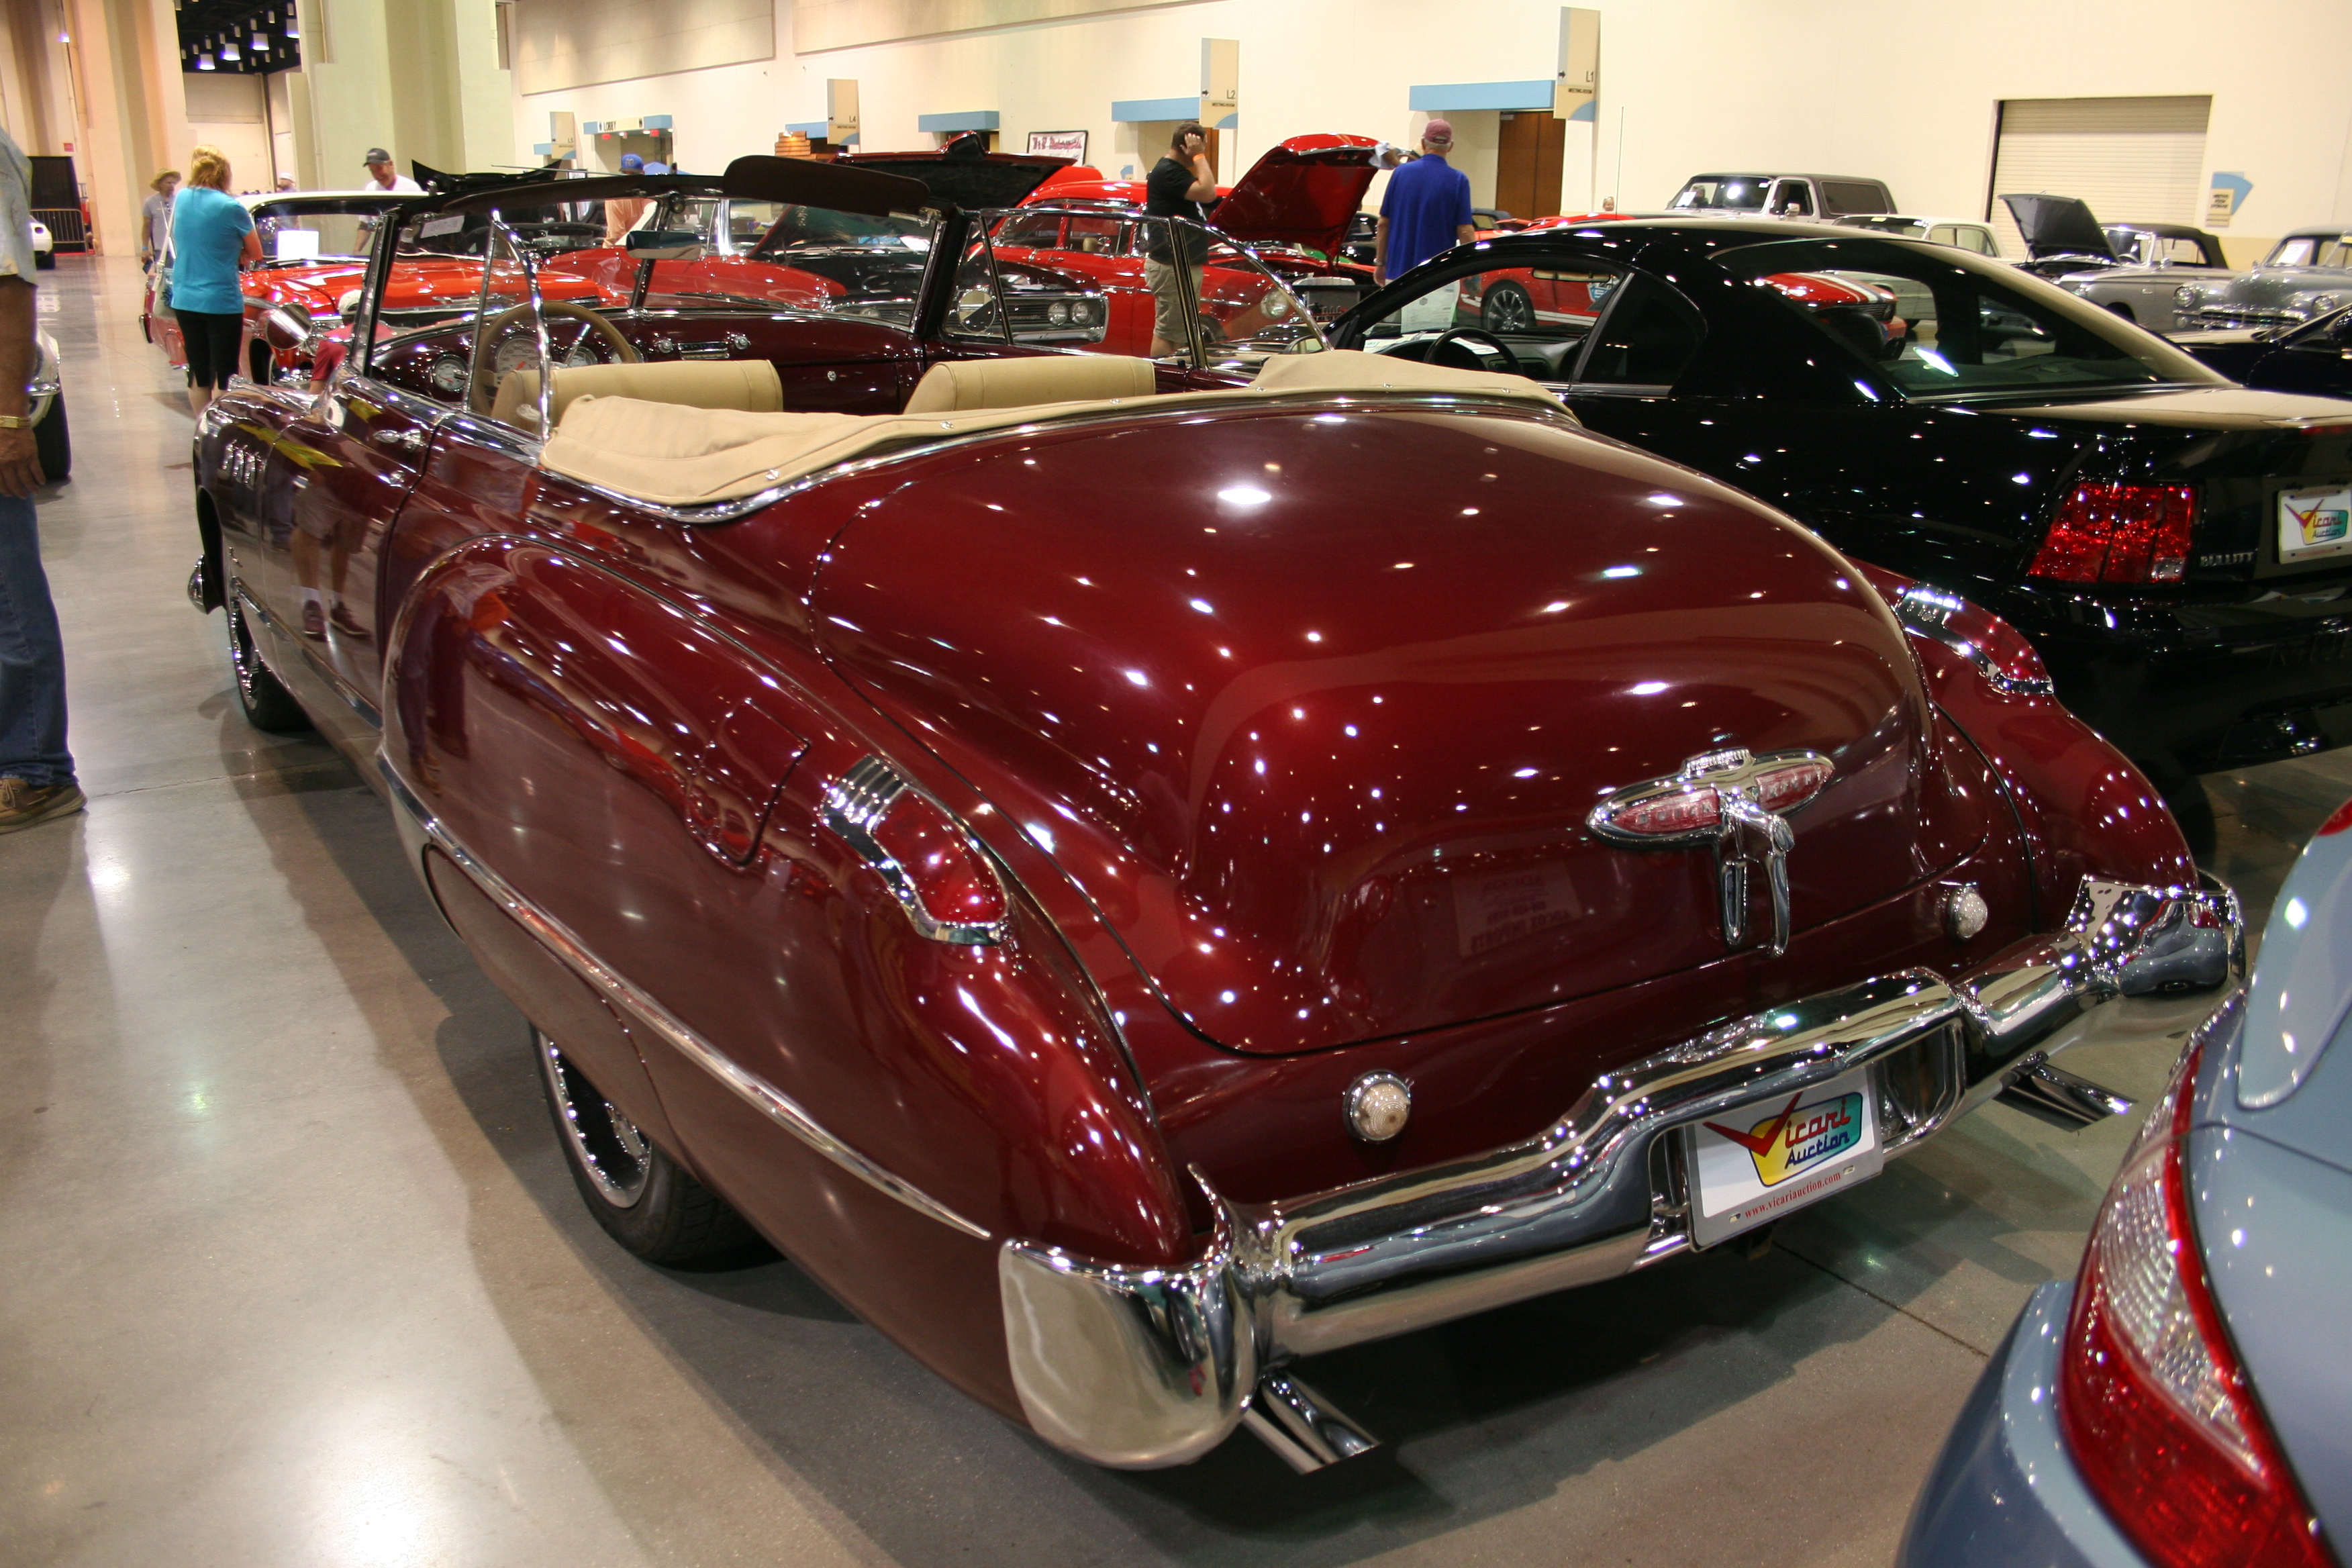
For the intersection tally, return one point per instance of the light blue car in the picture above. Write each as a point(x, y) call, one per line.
point(2187, 1399)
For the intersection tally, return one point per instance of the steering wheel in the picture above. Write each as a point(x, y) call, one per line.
point(482, 380)
point(1452, 335)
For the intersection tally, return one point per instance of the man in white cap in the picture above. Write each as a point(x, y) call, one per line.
point(1426, 209)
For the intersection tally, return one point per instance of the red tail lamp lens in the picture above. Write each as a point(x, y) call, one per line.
point(1685, 812)
point(2119, 533)
point(1792, 785)
point(954, 883)
point(2156, 1410)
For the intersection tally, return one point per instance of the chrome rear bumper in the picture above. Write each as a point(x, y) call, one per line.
point(1140, 1368)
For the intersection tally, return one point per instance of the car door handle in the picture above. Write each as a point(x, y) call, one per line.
point(411, 440)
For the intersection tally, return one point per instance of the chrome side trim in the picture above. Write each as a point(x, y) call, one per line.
point(1924, 613)
point(861, 799)
point(1135, 1367)
point(641, 1008)
point(707, 513)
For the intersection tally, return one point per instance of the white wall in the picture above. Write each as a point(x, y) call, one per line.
point(226, 110)
point(1906, 92)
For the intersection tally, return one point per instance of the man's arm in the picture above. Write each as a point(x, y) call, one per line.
point(1203, 187)
point(1380, 248)
point(20, 465)
point(250, 253)
point(1464, 228)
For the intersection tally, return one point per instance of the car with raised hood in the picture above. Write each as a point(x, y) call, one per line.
point(702, 247)
point(2163, 538)
point(1822, 198)
point(2305, 275)
point(2185, 1401)
point(1086, 858)
point(2313, 356)
point(313, 259)
point(1292, 210)
point(2144, 273)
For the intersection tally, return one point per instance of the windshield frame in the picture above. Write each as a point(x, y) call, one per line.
point(2175, 366)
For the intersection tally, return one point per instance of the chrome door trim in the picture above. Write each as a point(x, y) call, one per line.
point(325, 672)
point(641, 1008)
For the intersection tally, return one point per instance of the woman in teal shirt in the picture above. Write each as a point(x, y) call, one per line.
point(211, 234)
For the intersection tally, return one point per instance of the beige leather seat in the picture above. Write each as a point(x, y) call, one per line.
point(749, 384)
point(957, 386)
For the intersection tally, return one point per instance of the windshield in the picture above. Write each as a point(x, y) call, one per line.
point(2312, 250)
point(1942, 324)
point(798, 230)
point(1740, 193)
point(296, 232)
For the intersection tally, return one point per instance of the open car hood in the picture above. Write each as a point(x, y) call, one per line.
point(970, 181)
point(1322, 759)
point(1303, 192)
point(2058, 226)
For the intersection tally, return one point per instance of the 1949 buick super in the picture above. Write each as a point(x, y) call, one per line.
point(1132, 880)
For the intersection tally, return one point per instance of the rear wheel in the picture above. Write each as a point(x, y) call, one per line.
point(642, 1198)
point(268, 705)
point(54, 442)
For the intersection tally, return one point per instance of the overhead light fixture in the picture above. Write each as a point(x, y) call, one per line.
point(228, 51)
point(292, 31)
point(204, 63)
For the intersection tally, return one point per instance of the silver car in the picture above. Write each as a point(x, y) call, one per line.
point(2187, 1398)
point(2306, 275)
point(2138, 270)
point(1821, 198)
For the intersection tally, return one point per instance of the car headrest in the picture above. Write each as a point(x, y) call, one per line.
point(750, 384)
point(956, 386)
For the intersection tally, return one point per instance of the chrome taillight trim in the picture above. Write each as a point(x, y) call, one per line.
point(860, 801)
point(1926, 613)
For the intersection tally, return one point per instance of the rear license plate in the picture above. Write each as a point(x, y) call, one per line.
point(2315, 522)
point(1773, 1157)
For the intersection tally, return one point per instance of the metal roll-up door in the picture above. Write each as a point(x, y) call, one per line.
point(2134, 160)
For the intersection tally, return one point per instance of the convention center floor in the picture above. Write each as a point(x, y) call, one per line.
point(296, 1274)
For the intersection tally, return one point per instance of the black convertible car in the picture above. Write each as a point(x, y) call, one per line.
point(2176, 547)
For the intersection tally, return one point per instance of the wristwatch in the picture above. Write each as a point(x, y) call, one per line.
point(14, 421)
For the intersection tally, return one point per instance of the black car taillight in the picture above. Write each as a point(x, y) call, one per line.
point(2119, 533)
point(2158, 1414)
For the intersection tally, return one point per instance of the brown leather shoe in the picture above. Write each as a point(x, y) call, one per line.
point(314, 621)
point(345, 623)
point(23, 803)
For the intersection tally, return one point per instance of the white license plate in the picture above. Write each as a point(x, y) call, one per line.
point(2315, 522)
point(1773, 1157)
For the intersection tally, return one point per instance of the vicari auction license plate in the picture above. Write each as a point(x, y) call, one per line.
point(1776, 1156)
point(2315, 522)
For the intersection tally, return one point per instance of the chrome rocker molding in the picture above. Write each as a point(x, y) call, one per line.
point(418, 828)
point(1145, 1367)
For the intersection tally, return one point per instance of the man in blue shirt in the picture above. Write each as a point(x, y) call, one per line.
point(1426, 209)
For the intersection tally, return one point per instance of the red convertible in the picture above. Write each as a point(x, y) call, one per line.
point(1132, 877)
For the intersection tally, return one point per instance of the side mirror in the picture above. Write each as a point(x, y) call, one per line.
point(663, 244)
point(283, 329)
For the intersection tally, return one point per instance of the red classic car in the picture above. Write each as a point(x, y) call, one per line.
point(313, 262)
point(700, 248)
point(1133, 880)
point(1291, 209)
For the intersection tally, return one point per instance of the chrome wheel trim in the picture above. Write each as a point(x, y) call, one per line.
point(1516, 314)
point(242, 659)
point(604, 1142)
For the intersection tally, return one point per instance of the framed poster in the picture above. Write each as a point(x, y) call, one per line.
point(1070, 144)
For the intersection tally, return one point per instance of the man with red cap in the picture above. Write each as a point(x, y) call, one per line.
point(1426, 209)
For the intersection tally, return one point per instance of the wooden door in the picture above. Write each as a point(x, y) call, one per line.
point(1528, 163)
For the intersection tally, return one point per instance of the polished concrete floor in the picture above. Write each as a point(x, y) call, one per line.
point(295, 1275)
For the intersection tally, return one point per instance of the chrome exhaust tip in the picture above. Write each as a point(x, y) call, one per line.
point(1301, 1426)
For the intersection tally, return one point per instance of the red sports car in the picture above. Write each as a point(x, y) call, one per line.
point(1291, 209)
point(1131, 879)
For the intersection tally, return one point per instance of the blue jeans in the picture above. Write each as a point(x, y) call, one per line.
point(32, 657)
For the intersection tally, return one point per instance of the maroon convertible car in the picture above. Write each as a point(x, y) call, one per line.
point(1133, 880)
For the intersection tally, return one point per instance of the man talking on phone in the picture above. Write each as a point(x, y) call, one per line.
point(1177, 186)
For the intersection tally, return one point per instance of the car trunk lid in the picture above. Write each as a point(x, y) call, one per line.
point(1303, 192)
point(1320, 741)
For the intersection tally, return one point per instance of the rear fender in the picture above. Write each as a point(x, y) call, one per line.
point(2083, 808)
